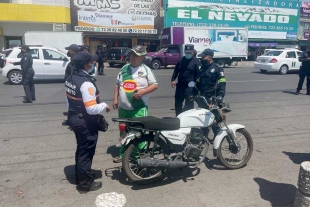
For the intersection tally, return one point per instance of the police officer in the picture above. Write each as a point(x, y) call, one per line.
point(304, 71)
point(27, 74)
point(84, 110)
point(186, 70)
point(101, 56)
point(72, 50)
point(211, 80)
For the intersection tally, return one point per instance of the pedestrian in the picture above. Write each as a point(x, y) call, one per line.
point(133, 84)
point(304, 71)
point(72, 50)
point(211, 81)
point(101, 59)
point(84, 110)
point(27, 73)
point(186, 70)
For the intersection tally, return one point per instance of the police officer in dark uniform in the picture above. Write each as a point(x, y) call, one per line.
point(101, 59)
point(211, 80)
point(27, 73)
point(186, 70)
point(72, 50)
point(304, 71)
point(84, 113)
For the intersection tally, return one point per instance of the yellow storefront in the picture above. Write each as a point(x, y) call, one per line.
point(32, 15)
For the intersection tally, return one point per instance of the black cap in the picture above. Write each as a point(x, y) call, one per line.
point(83, 47)
point(81, 58)
point(206, 52)
point(189, 48)
point(139, 50)
point(26, 47)
point(73, 47)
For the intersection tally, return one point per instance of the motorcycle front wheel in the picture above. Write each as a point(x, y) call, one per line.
point(232, 157)
point(141, 150)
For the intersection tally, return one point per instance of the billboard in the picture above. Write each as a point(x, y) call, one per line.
point(224, 42)
point(123, 17)
point(115, 22)
point(267, 19)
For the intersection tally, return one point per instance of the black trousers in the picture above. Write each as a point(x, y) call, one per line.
point(100, 67)
point(180, 95)
point(302, 76)
point(86, 134)
point(28, 84)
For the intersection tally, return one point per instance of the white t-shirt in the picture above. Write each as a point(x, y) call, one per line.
point(129, 80)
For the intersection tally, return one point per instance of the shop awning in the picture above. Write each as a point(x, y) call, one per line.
point(262, 44)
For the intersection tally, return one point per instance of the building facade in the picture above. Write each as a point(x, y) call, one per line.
point(118, 23)
point(19, 16)
point(270, 23)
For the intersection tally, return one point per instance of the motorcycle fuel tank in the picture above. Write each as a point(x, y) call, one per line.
point(196, 118)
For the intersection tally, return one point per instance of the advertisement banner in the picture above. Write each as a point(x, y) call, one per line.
point(306, 34)
point(114, 22)
point(101, 16)
point(305, 9)
point(268, 19)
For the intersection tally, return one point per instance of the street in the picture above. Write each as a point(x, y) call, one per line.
point(37, 152)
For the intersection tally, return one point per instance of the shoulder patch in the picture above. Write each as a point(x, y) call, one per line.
point(91, 91)
point(212, 70)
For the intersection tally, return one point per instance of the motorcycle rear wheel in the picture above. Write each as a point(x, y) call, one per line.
point(142, 176)
point(225, 146)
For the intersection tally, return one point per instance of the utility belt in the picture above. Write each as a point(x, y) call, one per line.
point(102, 123)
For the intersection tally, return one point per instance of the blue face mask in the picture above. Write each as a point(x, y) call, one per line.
point(188, 56)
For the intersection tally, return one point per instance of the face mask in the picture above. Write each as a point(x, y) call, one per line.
point(204, 62)
point(188, 56)
point(68, 54)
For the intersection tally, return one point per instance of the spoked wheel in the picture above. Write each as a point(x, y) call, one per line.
point(236, 157)
point(141, 150)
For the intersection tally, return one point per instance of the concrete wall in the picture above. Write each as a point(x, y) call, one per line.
point(18, 29)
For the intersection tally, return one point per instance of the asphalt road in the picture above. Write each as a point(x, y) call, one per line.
point(37, 153)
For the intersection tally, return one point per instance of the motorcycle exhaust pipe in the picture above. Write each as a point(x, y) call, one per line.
point(144, 163)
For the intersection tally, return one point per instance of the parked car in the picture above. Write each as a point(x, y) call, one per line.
point(118, 55)
point(281, 60)
point(48, 64)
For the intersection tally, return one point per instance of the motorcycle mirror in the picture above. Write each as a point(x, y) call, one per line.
point(191, 84)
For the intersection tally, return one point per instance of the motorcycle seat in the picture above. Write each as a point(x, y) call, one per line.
point(153, 123)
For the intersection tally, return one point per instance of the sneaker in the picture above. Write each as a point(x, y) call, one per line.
point(94, 186)
point(117, 159)
point(297, 93)
point(33, 99)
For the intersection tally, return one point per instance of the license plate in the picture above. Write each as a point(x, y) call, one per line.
point(262, 61)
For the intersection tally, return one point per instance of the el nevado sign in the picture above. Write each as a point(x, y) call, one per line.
point(232, 16)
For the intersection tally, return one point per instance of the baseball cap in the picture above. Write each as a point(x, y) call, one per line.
point(81, 58)
point(139, 50)
point(73, 47)
point(26, 47)
point(205, 53)
point(189, 48)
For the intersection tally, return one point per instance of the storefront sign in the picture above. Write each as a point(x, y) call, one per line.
point(263, 18)
point(112, 22)
point(306, 34)
point(133, 16)
point(261, 44)
point(305, 9)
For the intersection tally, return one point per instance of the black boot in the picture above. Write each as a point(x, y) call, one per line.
point(94, 186)
point(27, 101)
point(297, 92)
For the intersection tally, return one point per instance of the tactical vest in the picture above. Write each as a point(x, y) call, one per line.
point(73, 92)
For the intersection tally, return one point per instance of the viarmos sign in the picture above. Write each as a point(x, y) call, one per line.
point(260, 17)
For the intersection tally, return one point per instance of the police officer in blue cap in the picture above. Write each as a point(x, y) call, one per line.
point(84, 110)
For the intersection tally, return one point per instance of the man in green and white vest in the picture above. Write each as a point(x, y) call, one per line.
point(133, 84)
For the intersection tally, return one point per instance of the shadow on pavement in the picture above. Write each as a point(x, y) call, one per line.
point(278, 194)
point(289, 92)
point(298, 158)
point(70, 174)
point(275, 73)
point(113, 151)
point(171, 176)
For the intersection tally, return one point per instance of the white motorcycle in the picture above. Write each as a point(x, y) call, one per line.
point(153, 144)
